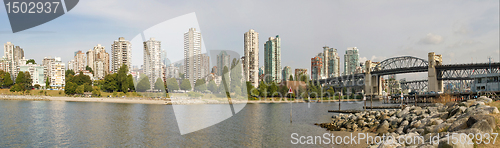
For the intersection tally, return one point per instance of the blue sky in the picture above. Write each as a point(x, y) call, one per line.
point(462, 31)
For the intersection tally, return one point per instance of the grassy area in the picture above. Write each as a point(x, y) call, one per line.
point(497, 130)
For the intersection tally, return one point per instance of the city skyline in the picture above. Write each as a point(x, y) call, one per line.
point(458, 30)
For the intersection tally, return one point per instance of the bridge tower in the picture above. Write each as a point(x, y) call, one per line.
point(434, 84)
point(373, 84)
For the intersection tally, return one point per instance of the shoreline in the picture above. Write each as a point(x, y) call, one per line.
point(141, 100)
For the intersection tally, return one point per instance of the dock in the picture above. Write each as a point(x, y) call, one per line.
point(382, 107)
point(344, 111)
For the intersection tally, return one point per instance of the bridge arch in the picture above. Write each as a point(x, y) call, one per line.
point(401, 62)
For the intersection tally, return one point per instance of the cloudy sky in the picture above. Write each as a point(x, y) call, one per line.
point(462, 31)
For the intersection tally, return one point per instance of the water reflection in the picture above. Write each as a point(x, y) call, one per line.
point(86, 124)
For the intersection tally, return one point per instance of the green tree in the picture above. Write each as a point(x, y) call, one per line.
point(89, 69)
point(7, 80)
point(70, 88)
point(221, 88)
point(200, 85)
point(16, 88)
point(20, 78)
point(181, 75)
point(283, 90)
point(291, 78)
point(249, 87)
point(185, 85)
point(31, 61)
point(159, 85)
point(87, 87)
point(172, 84)
point(47, 83)
point(212, 86)
point(69, 72)
point(236, 76)
point(122, 83)
point(80, 89)
point(263, 89)
point(303, 77)
point(79, 79)
point(273, 89)
point(143, 85)
point(130, 80)
point(237, 91)
point(109, 84)
point(96, 92)
point(255, 92)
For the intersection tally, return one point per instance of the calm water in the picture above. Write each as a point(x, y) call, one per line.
point(80, 124)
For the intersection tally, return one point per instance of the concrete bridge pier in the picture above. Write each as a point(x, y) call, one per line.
point(373, 83)
point(435, 84)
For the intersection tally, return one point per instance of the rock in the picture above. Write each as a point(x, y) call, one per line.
point(404, 123)
point(489, 118)
point(383, 128)
point(389, 145)
point(415, 124)
point(403, 112)
point(415, 139)
point(459, 124)
point(465, 104)
point(447, 142)
point(361, 123)
point(436, 122)
point(400, 130)
point(470, 130)
point(456, 111)
point(442, 127)
point(430, 129)
point(451, 104)
point(492, 110)
point(483, 126)
point(427, 146)
point(484, 99)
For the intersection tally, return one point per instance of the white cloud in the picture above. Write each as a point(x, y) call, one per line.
point(373, 59)
point(462, 43)
point(431, 39)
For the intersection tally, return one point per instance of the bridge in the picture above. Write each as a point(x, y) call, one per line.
point(438, 74)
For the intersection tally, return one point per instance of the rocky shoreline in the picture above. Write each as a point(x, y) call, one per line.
point(438, 121)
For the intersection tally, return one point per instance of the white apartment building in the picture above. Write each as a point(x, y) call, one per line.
point(251, 57)
point(80, 61)
point(57, 73)
point(96, 56)
point(152, 66)
point(120, 54)
point(192, 60)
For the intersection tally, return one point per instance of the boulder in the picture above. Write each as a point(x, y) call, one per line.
point(459, 124)
point(489, 118)
point(427, 146)
point(469, 131)
point(456, 111)
point(484, 99)
point(492, 110)
point(415, 124)
point(383, 128)
point(447, 142)
point(483, 126)
point(416, 139)
point(389, 145)
point(465, 104)
point(442, 127)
